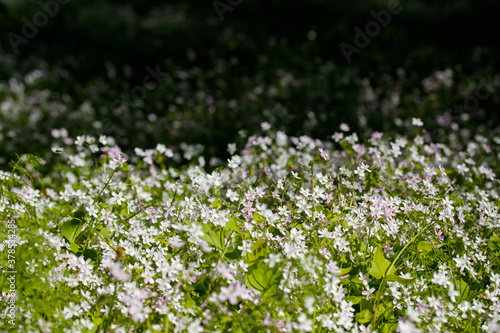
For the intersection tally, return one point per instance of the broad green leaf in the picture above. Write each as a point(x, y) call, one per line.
point(105, 232)
point(233, 225)
point(380, 265)
point(75, 248)
point(233, 255)
point(346, 270)
point(80, 213)
point(494, 243)
point(71, 229)
point(343, 259)
point(257, 218)
point(259, 251)
point(216, 204)
point(189, 302)
point(424, 247)
point(97, 321)
point(464, 290)
point(354, 299)
point(214, 236)
point(387, 328)
point(90, 254)
point(399, 279)
point(364, 316)
point(259, 276)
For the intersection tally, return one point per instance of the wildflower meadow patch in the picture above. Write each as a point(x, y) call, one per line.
point(295, 234)
point(173, 166)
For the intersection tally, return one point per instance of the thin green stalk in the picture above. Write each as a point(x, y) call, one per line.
point(108, 320)
point(167, 324)
point(404, 248)
point(314, 322)
point(99, 198)
point(382, 283)
point(312, 189)
point(106, 185)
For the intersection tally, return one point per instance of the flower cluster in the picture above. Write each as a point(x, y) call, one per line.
point(295, 235)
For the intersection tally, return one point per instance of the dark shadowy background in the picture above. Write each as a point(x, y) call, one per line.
point(276, 61)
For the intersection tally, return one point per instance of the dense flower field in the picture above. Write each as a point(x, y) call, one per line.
point(294, 235)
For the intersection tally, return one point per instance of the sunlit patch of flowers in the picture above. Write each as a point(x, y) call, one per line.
point(294, 235)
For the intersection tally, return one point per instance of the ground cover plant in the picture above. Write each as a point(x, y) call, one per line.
point(294, 234)
point(230, 166)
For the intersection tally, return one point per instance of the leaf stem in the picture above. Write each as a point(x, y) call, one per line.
point(388, 269)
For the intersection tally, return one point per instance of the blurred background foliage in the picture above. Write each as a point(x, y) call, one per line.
point(276, 61)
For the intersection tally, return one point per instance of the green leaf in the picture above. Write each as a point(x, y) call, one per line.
point(105, 232)
point(259, 251)
point(346, 146)
point(355, 279)
point(494, 243)
point(364, 316)
point(343, 259)
point(71, 229)
point(90, 254)
point(97, 321)
point(346, 270)
point(216, 204)
point(399, 279)
point(214, 236)
point(354, 299)
point(201, 287)
point(233, 225)
point(259, 276)
point(464, 290)
point(334, 218)
point(75, 248)
point(259, 219)
point(189, 302)
point(233, 255)
point(80, 213)
point(424, 247)
point(387, 328)
point(380, 265)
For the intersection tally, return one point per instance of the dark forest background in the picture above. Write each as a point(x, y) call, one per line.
point(275, 61)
